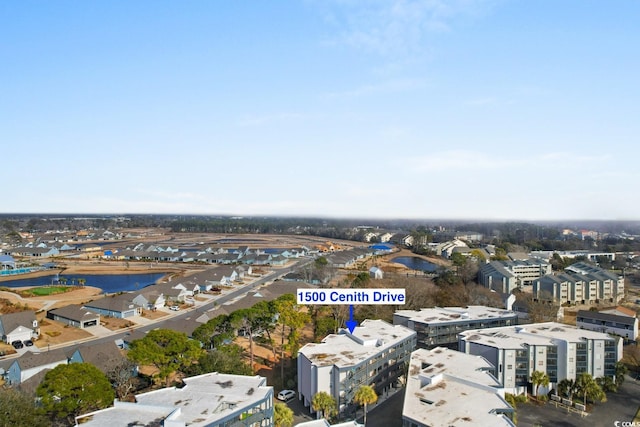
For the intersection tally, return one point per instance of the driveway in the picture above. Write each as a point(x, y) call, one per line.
point(621, 406)
point(387, 413)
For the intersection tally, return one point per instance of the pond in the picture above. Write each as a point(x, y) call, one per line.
point(109, 283)
point(416, 263)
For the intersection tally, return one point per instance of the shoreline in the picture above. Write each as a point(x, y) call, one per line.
point(89, 270)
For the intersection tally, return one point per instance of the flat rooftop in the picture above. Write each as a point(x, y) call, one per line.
point(446, 387)
point(345, 349)
point(455, 314)
point(202, 401)
point(514, 337)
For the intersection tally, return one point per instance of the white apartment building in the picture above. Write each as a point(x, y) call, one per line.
point(440, 326)
point(447, 388)
point(375, 354)
point(206, 400)
point(562, 351)
point(580, 283)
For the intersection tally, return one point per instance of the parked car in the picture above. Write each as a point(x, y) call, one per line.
point(28, 343)
point(174, 308)
point(17, 344)
point(286, 395)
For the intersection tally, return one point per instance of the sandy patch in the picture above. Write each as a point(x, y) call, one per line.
point(53, 333)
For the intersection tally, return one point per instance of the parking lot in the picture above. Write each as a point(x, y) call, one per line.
point(621, 406)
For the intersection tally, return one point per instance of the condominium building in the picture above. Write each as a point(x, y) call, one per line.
point(374, 354)
point(505, 276)
point(440, 326)
point(615, 324)
point(207, 400)
point(447, 388)
point(580, 283)
point(561, 351)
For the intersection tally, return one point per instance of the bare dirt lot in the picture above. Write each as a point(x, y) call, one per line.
point(53, 333)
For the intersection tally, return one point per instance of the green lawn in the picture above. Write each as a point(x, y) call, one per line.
point(47, 290)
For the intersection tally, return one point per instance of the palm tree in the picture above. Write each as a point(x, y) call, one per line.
point(325, 403)
point(364, 396)
point(282, 415)
point(621, 371)
point(539, 378)
point(607, 384)
point(588, 388)
point(567, 387)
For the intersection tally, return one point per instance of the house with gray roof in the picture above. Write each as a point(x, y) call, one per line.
point(74, 315)
point(19, 326)
point(36, 252)
point(118, 306)
point(105, 356)
point(29, 364)
point(150, 298)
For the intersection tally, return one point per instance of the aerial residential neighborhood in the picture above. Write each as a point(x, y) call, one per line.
point(585, 325)
point(396, 213)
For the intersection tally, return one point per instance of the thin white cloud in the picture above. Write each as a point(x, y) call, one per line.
point(392, 27)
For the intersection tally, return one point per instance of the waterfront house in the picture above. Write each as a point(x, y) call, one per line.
point(119, 306)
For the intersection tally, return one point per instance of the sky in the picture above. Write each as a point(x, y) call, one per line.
point(415, 109)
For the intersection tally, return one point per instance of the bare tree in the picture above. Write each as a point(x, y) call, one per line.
point(122, 378)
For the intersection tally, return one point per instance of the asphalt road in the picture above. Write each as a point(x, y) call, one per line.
point(203, 308)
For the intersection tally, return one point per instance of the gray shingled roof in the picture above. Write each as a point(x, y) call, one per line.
point(31, 360)
point(74, 312)
point(117, 303)
point(104, 356)
point(10, 322)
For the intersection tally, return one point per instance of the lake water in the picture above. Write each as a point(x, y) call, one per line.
point(416, 263)
point(109, 283)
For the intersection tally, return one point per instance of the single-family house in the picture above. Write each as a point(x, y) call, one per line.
point(74, 315)
point(119, 306)
point(19, 326)
point(223, 275)
point(7, 262)
point(32, 252)
point(105, 356)
point(176, 293)
point(150, 299)
point(30, 364)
